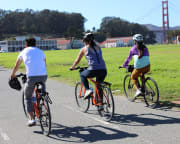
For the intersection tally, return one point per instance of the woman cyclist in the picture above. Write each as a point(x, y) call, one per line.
point(96, 64)
point(141, 60)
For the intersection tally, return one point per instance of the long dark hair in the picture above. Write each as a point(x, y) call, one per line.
point(140, 47)
point(89, 38)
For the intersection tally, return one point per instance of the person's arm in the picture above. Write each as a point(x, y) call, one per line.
point(78, 59)
point(128, 59)
point(16, 67)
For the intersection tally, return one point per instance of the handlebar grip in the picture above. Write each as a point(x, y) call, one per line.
point(75, 68)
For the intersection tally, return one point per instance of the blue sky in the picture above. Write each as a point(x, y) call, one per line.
point(137, 11)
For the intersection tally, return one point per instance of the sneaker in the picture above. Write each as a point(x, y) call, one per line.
point(138, 92)
point(31, 122)
point(88, 93)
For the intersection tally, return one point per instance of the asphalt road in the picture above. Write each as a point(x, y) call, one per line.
point(133, 123)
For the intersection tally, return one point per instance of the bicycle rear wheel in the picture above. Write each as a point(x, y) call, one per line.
point(108, 103)
point(45, 116)
point(24, 105)
point(79, 95)
point(129, 88)
point(151, 92)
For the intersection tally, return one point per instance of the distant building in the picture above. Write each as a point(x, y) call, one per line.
point(178, 39)
point(117, 42)
point(63, 43)
point(19, 44)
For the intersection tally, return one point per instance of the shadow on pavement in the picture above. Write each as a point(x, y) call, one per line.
point(81, 134)
point(148, 119)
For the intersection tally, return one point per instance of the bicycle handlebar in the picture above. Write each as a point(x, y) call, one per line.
point(120, 67)
point(23, 77)
point(80, 68)
point(20, 75)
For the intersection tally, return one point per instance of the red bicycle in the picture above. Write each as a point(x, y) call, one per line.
point(41, 102)
point(108, 102)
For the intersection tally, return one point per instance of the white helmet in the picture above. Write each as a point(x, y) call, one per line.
point(138, 37)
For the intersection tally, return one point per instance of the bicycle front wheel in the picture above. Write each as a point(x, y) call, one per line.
point(108, 103)
point(129, 88)
point(151, 92)
point(45, 116)
point(79, 95)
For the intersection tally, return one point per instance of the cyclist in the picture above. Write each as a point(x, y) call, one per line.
point(96, 64)
point(141, 60)
point(35, 64)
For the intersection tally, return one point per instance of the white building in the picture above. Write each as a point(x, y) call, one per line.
point(117, 42)
point(63, 43)
point(19, 44)
point(178, 39)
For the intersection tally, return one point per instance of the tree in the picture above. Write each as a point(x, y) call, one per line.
point(45, 22)
point(116, 27)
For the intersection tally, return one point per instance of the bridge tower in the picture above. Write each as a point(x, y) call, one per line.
point(165, 17)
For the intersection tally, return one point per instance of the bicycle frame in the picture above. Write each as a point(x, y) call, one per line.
point(37, 103)
point(96, 95)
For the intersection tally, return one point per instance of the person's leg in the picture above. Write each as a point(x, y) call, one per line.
point(84, 77)
point(43, 80)
point(100, 76)
point(134, 77)
point(28, 91)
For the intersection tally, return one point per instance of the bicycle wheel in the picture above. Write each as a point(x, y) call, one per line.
point(45, 116)
point(24, 105)
point(108, 103)
point(151, 92)
point(129, 88)
point(79, 95)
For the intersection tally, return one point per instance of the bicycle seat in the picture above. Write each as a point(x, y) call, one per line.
point(148, 73)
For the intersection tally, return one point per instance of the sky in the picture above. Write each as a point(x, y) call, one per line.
point(135, 11)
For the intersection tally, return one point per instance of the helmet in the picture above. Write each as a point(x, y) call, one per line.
point(138, 37)
point(88, 37)
point(15, 84)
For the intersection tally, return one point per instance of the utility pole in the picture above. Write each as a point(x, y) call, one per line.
point(165, 17)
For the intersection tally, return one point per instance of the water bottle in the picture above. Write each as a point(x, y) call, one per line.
point(34, 98)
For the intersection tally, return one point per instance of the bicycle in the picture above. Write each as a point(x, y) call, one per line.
point(108, 102)
point(148, 86)
point(41, 101)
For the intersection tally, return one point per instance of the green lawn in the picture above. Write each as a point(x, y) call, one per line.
point(165, 67)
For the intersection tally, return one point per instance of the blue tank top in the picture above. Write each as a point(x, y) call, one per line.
point(95, 59)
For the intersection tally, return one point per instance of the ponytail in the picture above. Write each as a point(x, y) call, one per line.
point(92, 43)
point(140, 47)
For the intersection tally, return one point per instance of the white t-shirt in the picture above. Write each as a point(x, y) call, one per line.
point(34, 60)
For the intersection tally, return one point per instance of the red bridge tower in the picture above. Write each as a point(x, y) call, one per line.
point(165, 17)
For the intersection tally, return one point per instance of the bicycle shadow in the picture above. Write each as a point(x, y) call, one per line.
point(143, 119)
point(80, 134)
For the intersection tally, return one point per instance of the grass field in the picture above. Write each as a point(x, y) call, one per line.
point(165, 67)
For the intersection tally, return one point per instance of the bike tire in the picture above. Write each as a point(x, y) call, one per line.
point(108, 103)
point(129, 88)
point(24, 106)
point(151, 92)
point(45, 116)
point(81, 103)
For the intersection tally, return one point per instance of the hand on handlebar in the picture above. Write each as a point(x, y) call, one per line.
point(121, 67)
point(13, 76)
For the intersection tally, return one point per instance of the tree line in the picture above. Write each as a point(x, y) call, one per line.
point(63, 24)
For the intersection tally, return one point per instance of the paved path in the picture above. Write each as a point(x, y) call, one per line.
point(133, 123)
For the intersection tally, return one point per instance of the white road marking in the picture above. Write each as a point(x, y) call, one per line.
point(4, 135)
point(96, 119)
